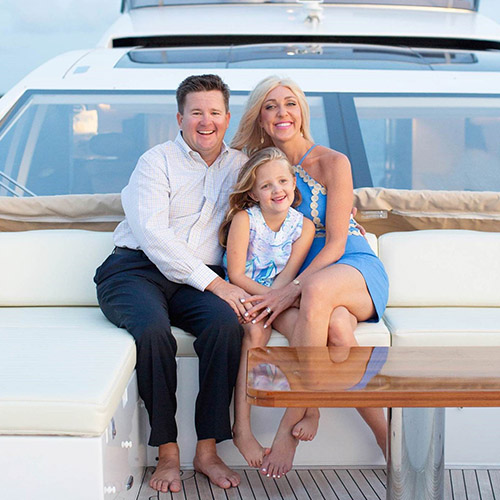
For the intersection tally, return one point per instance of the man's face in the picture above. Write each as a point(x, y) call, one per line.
point(204, 123)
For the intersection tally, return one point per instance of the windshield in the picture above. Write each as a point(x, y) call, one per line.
point(455, 4)
point(89, 142)
point(427, 142)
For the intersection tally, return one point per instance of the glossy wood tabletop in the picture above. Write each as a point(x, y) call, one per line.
point(374, 376)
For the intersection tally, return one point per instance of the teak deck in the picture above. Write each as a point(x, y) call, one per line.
point(327, 484)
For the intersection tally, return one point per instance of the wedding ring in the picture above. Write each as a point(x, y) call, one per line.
point(268, 310)
point(242, 300)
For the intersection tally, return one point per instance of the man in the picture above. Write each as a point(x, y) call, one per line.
point(165, 270)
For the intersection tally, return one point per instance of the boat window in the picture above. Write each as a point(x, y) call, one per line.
point(86, 143)
point(431, 142)
point(454, 4)
point(76, 143)
point(319, 55)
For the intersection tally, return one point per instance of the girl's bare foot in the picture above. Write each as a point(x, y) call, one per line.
point(209, 463)
point(250, 448)
point(167, 476)
point(306, 429)
point(280, 459)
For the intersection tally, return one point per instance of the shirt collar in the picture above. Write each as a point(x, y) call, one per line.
point(179, 140)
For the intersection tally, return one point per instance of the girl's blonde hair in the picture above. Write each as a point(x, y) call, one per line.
point(240, 198)
point(249, 135)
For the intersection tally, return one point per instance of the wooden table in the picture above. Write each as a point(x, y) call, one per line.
point(414, 383)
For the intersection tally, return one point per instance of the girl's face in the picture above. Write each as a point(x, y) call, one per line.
point(280, 115)
point(274, 187)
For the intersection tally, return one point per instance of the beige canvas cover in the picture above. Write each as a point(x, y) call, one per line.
point(383, 210)
point(97, 212)
point(379, 211)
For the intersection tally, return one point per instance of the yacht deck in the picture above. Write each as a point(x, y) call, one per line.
point(327, 484)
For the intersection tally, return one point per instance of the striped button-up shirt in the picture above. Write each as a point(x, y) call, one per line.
point(174, 204)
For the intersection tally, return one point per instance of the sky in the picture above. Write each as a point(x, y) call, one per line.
point(34, 31)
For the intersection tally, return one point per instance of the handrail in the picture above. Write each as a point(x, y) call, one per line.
point(12, 181)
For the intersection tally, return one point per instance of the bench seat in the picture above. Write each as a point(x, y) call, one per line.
point(62, 381)
point(444, 326)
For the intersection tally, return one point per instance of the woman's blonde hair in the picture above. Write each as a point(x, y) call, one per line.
point(249, 134)
point(240, 198)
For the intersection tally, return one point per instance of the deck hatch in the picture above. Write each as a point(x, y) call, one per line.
point(451, 4)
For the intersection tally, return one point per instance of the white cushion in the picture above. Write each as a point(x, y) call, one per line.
point(62, 381)
point(442, 268)
point(93, 319)
point(444, 326)
point(372, 241)
point(52, 267)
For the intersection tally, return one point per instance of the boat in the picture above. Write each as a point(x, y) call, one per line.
point(409, 90)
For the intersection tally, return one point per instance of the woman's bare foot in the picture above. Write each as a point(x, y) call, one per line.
point(249, 447)
point(306, 429)
point(209, 463)
point(167, 476)
point(280, 459)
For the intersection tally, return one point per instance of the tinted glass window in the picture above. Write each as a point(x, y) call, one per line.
point(448, 143)
point(458, 4)
point(85, 143)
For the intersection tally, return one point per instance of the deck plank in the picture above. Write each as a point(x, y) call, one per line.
point(323, 484)
point(145, 491)
point(336, 484)
point(244, 488)
point(350, 485)
point(255, 481)
point(483, 480)
point(458, 484)
point(271, 488)
point(203, 486)
point(297, 486)
point(363, 485)
point(375, 482)
point(284, 488)
point(471, 485)
point(189, 487)
point(448, 493)
point(310, 485)
point(495, 482)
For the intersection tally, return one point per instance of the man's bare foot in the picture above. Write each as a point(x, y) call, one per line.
point(209, 463)
point(306, 429)
point(250, 448)
point(167, 476)
point(280, 460)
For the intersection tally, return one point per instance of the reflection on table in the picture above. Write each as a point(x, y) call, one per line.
point(374, 376)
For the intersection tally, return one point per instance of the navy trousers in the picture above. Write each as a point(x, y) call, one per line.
point(134, 295)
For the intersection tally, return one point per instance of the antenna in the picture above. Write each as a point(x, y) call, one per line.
point(314, 11)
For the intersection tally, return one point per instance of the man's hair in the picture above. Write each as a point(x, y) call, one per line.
point(201, 83)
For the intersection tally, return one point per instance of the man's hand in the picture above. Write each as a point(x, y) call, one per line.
point(235, 296)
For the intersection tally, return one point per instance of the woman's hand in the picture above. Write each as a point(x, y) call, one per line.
point(269, 306)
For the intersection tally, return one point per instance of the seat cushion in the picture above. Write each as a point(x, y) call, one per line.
point(444, 326)
point(62, 381)
point(51, 268)
point(443, 268)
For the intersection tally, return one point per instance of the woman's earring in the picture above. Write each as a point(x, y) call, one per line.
point(262, 136)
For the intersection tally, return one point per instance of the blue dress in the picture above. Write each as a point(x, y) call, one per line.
point(268, 251)
point(358, 252)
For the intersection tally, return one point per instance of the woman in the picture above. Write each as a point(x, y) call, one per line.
point(341, 282)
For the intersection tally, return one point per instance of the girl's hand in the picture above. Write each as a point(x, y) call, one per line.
point(269, 306)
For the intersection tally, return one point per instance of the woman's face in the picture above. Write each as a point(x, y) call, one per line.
point(280, 115)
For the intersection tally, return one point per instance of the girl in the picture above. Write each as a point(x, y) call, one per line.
point(266, 242)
